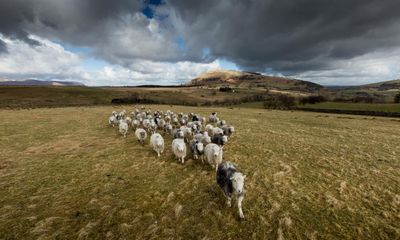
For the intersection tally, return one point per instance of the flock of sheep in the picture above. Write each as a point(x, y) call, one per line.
point(205, 138)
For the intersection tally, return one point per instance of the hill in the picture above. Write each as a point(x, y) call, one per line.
point(251, 79)
point(34, 82)
point(393, 85)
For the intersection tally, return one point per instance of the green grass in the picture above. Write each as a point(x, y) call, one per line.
point(384, 107)
point(56, 96)
point(65, 174)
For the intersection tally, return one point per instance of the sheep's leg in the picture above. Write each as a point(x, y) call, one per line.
point(229, 201)
point(240, 199)
point(158, 153)
point(183, 160)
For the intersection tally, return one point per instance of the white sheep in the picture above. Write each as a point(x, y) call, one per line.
point(112, 120)
point(202, 137)
point(141, 135)
point(221, 123)
point(123, 127)
point(214, 155)
point(135, 123)
point(187, 133)
point(217, 131)
point(208, 128)
point(179, 149)
point(157, 142)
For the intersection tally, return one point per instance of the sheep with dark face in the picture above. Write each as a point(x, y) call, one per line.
point(219, 139)
point(221, 123)
point(178, 133)
point(197, 149)
point(141, 135)
point(228, 130)
point(232, 184)
point(213, 118)
point(168, 128)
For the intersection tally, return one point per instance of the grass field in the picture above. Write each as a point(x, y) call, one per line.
point(64, 174)
point(14, 97)
point(379, 107)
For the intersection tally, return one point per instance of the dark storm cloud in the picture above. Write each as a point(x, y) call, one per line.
point(3, 47)
point(289, 35)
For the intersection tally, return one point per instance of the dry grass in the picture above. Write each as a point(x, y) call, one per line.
point(65, 174)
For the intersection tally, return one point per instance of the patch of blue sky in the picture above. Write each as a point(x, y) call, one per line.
point(93, 64)
point(227, 65)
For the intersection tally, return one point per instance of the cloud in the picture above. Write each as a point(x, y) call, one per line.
point(50, 60)
point(368, 68)
point(45, 60)
point(303, 38)
point(288, 36)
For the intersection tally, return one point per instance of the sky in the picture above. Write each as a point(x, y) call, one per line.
point(136, 42)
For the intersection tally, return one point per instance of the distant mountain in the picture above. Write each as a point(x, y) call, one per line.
point(34, 82)
point(251, 79)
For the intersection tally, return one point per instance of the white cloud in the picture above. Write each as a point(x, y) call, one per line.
point(46, 59)
point(369, 68)
point(51, 61)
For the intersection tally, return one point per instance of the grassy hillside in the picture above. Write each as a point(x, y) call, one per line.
point(387, 107)
point(253, 80)
point(50, 96)
point(65, 174)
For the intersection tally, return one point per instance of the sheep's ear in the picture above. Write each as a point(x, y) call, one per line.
point(244, 176)
point(231, 178)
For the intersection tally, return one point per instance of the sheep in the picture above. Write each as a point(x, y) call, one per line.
point(167, 119)
point(182, 122)
point(179, 149)
point(161, 123)
point(178, 133)
point(152, 127)
point(197, 149)
point(135, 123)
point(202, 137)
point(187, 132)
point(168, 128)
point(123, 127)
point(228, 130)
point(157, 142)
point(214, 154)
point(232, 184)
point(216, 131)
point(141, 135)
point(213, 118)
point(121, 115)
point(112, 120)
point(221, 123)
point(209, 128)
point(146, 123)
point(219, 139)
